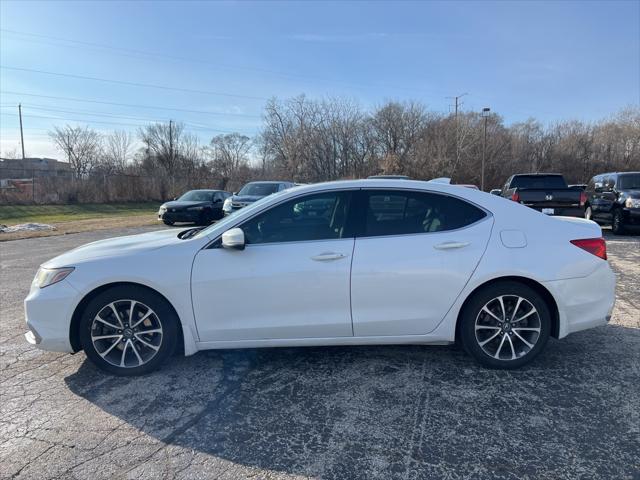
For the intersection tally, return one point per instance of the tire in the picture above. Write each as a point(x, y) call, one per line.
point(120, 343)
point(588, 213)
point(514, 347)
point(617, 224)
point(167, 222)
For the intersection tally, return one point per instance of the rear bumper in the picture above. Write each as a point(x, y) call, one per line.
point(48, 314)
point(562, 211)
point(585, 302)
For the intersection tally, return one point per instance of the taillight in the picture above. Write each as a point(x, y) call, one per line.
point(515, 196)
point(595, 246)
point(583, 198)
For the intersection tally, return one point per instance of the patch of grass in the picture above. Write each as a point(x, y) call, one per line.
point(14, 214)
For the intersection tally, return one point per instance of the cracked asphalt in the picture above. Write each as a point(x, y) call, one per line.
point(339, 413)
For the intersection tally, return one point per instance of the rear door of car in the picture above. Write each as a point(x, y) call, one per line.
point(414, 253)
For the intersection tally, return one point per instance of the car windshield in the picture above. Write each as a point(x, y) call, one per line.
point(629, 182)
point(538, 181)
point(197, 196)
point(259, 189)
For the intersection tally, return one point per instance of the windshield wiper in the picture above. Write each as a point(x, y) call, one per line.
point(190, 232)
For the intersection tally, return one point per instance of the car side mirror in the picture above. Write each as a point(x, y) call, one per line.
point(233, 239)
point(496, 191)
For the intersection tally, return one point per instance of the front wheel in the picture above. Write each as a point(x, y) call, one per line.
point(617, 225)
point(128, 330)
point(505, 325)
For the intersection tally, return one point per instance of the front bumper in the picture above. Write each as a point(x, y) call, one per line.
point(48, 313)
point(180, 216)
point(584, 302)
point(631, 216)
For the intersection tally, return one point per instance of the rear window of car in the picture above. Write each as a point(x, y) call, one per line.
point(395, 212)
point(259, 189)
point(539, 181)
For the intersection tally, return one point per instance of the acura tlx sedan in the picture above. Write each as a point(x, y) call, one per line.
point(344, 263)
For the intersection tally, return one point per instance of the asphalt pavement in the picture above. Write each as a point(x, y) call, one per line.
point(407, 412)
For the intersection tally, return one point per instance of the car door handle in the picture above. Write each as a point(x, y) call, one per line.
point(450, 245)
point(328, 256)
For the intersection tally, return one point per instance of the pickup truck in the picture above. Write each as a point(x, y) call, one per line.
point(545, 192)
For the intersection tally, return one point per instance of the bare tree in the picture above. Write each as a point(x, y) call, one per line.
point(117, 151)
point(229, 154)
point(80, 145)
point(162, 144)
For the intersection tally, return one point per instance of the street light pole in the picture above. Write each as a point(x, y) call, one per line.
point(485, 115)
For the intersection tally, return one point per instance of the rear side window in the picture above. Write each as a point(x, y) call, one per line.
point(393, 212)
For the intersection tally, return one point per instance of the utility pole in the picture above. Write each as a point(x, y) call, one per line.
point(21, 134)
point(457, 104)
point(485, 115)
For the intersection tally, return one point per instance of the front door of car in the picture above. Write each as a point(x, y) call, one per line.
point(412, 258)
point(290, 281)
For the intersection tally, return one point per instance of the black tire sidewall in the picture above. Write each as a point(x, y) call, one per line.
point(156, 302)
point(620, 229)
point(167, 222)
point(479, 299)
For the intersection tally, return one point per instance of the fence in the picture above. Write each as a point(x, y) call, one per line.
point(44, 188)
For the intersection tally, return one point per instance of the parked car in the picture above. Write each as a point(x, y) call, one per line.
point(252, 192)
point(341, 263)
point(614, 199)
point(196, 206)
point(546, 192)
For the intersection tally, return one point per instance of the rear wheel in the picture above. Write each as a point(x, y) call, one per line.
point(128, 330)
point(505, 325)
point(617, 224)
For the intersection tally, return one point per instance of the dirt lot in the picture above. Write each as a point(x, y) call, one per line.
point(357, 412)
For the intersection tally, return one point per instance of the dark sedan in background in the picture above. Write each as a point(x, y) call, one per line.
point(196, 206)
point(252, 192)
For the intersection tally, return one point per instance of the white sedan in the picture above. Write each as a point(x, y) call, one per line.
point(342, 263)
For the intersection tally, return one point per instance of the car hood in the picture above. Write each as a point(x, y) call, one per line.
point(183, 204)
point(247, 198)
point(115, 247)
point(633, 193)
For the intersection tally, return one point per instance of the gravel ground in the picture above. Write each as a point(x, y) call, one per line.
point(357, 412)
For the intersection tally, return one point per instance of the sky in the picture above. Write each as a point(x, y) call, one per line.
point(213, 65)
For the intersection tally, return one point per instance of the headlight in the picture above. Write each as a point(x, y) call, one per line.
point(632, 202)
point(195, 208)
point(162, 209)
point(226, 206)
point(49, 276)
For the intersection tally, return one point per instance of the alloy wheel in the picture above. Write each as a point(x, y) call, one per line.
point(126, 333)
point(507, 327)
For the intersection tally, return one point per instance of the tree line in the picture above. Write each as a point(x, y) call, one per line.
point(307, 140)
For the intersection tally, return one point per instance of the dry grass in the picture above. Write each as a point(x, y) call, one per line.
point(75, 226)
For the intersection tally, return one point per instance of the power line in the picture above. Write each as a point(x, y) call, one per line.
point(141, 53)
point(104, 122)
point(133, 84)
point(101, 102)
point(100, 114)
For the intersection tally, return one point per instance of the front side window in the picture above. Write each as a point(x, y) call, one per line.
point(402, 213)
point(313, 217)
point(630, 181)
